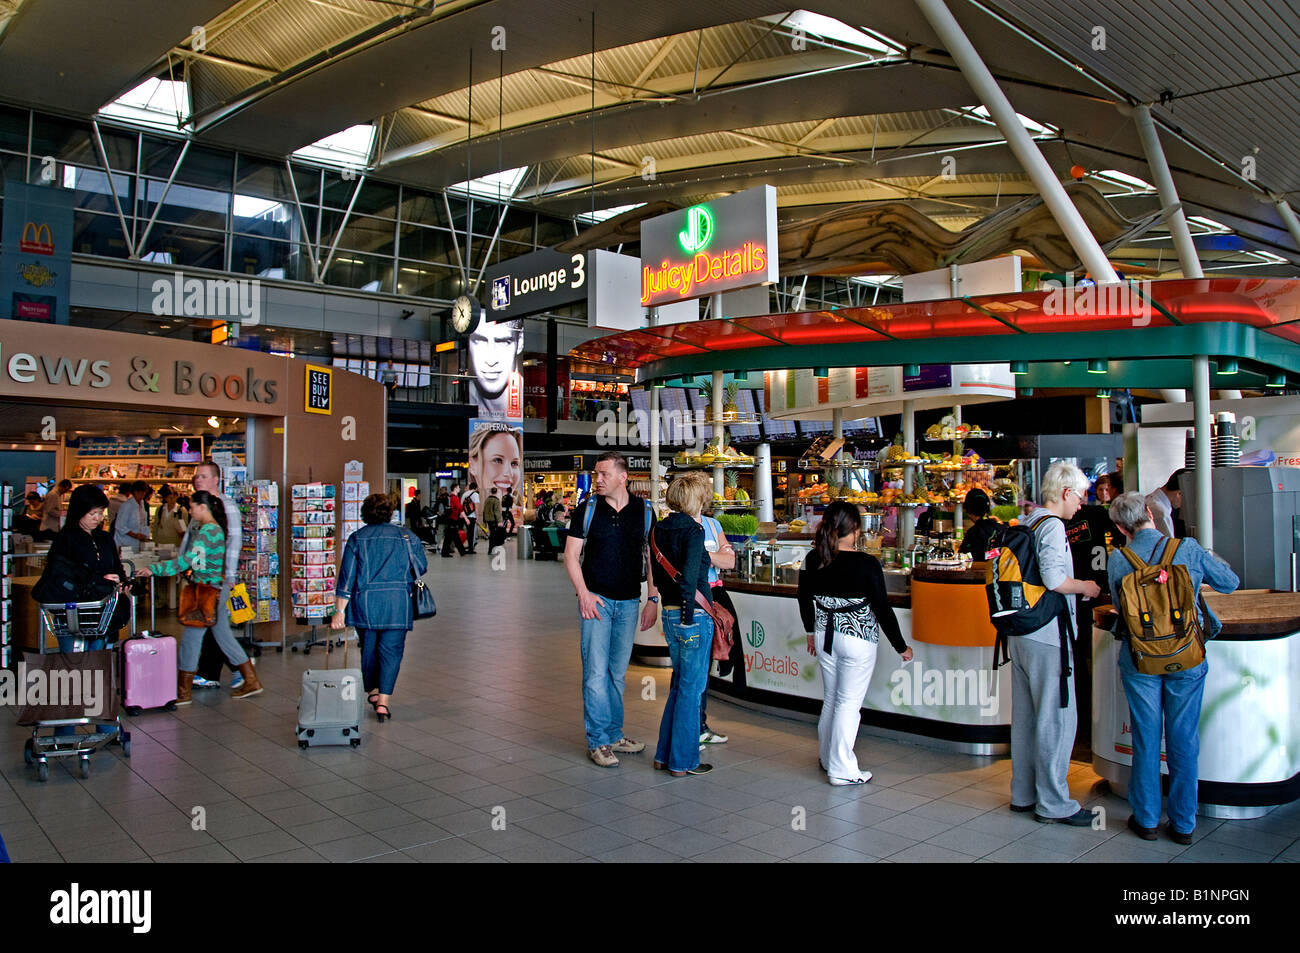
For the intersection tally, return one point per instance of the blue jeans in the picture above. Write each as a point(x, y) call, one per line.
point(606, 650)
point(690, 647)
point(381, 657)
point(1176, 700)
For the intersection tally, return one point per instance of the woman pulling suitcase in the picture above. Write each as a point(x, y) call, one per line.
point(205, 562)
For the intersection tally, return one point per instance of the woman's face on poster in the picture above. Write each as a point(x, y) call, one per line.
point(499, 465)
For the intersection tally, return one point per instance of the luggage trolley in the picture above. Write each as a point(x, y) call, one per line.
point(83, 622)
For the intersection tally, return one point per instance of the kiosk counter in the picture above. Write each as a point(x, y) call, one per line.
point(1250, 725)
point(948, 692)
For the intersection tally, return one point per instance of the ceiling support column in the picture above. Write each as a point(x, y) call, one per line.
point(966, 57)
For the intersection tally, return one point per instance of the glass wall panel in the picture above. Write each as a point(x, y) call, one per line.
point(98, 235)
point(189, 247)
point(186, 204)
point(13, 128)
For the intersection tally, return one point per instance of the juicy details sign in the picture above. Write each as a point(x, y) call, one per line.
point(706, 249)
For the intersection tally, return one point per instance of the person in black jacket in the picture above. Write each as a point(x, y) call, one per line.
point(978, 538)
point(844, 607)
point(688, 628)
point(83, 566)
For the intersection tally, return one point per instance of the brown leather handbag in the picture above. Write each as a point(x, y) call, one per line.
point(724, 623)
point(198, 605)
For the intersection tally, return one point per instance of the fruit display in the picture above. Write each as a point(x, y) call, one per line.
point(949, 429)
point(954, 461)
point(712, 455)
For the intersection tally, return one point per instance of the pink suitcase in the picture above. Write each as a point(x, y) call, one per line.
point(149, 667)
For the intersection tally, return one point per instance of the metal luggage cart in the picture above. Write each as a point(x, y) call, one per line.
point(84, 622)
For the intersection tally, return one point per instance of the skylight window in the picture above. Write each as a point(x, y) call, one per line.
point(605, 214)
point(501, 185)
point(347, 149)
point(1031, 125)
point(160, 103)
point(1208, 224)
point(831, 30)
point(1138, 186)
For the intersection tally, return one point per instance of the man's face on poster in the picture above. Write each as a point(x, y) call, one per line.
point(493, 350)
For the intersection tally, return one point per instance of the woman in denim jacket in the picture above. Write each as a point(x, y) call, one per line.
point(688, 629)
point(374, 596)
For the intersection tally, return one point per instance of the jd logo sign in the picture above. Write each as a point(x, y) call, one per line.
point(698, 231)
point(756, 634)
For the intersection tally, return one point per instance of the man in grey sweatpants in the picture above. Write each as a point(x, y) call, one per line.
point(1042, 732)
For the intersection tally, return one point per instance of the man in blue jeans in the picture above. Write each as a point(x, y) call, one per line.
point(1174, 698)
point(606, 563)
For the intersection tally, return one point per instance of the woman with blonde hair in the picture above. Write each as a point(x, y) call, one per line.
point(681, 573)
point(496, 459)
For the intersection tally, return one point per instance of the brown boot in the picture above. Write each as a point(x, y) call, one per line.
point(184, 683)
point(251, 685)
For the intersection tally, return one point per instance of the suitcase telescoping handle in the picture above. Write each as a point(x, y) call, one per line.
point(329, 648)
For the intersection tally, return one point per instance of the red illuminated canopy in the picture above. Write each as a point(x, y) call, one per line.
point(1270, 304)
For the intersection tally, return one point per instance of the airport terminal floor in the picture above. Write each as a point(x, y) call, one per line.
point(488, 726)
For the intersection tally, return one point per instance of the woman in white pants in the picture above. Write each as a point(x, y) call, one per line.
point(845, 607)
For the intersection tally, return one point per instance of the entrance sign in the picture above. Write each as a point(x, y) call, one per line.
point(710, 248)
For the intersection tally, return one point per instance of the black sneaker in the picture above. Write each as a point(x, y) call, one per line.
point(1176, 836)
point(1080, 818)
point(1023, 808)
point(702, 769)
point(1146, 833)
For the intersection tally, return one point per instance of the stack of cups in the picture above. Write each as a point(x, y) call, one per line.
point(1189, 454)
point(1227, 445)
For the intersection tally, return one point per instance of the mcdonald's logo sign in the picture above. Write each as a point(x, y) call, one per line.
point(36, 239)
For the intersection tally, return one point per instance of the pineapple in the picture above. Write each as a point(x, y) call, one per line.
point(729, 406)
point(732, 482)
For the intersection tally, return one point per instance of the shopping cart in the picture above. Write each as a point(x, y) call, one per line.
point(83, 622)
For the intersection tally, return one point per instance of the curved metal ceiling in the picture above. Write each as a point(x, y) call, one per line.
point(710, 96)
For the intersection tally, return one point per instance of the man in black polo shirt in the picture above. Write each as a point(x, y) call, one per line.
point(606, 569)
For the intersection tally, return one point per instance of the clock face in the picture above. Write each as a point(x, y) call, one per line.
point(462, 313)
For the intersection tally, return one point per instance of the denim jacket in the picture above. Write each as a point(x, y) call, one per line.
point(1147, 545)
point(681, 540)
point(376, 577)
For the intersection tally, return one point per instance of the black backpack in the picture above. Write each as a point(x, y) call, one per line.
point(1019, 603)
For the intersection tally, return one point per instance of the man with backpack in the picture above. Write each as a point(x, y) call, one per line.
point(1028, 599)
point(1155, 582)
point(606, 556)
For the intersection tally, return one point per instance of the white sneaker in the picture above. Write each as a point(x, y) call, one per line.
point(234, 682)
point(863, 779)
point(200, 682)
point(711, 737)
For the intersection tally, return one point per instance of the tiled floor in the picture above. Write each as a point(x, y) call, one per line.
point(489, 728)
